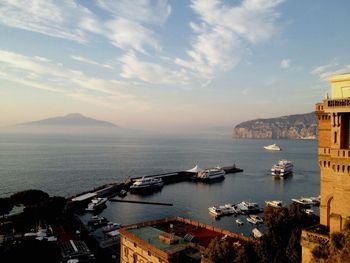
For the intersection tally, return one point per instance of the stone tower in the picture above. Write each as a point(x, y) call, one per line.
point(334, 162)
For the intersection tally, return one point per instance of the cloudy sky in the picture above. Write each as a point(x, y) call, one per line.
point(158, 64)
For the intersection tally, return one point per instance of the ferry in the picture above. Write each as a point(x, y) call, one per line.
point(248, 207)
point(96, 203)
point(254, 219)
point(272, 147)
point(146, 183)
point(274, 203)
point(211, 174)
point(282, 168)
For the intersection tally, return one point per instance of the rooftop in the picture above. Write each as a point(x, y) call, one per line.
point(186, 231)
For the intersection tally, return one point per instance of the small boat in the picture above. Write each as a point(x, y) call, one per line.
point(254, 219)
point(282, 168)
point(96, 203)
point(122, 193)
point(97, 221)
point(239, 222)
point(274, 203)
point(111, 227)
point(303, 201)
point(146, 183)
point(309, 211)
point(256, 233)
point(272, 147)
point(247, 207)
point(211, 174)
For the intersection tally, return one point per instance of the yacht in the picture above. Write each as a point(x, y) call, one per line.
point(146, 183)
point(248, 207)
point(274, 203)
point(211, 174)
point(96, 203)
point(254, 219)
point(272, 147)
point(282, 168)
point(220, 210)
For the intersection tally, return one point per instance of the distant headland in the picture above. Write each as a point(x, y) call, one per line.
point(73, 120)
point(298, 126)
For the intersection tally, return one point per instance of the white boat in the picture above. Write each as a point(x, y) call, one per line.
point(274, 203)
point(111, 227)
point(211, 174)
point(220, 210)
point(272, 147)
point(239, 222)
point(247, 207)
point(256, 233)
point(303, 201)
point(146, 183)
point(308, 211)
point(254, 219)
point(96, 203)
point(282, 168)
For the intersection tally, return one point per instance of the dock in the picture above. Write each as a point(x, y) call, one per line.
point(139, 202)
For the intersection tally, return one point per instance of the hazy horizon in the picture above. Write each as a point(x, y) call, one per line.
point(169, 65)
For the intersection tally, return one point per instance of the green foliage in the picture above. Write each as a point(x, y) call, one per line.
point(219, 251)
point(6, 206)
point(337, 250)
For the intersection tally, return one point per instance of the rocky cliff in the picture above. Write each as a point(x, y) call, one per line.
point(299, 126)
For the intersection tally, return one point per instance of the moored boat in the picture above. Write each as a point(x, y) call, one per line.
point(247, 207)
point(96, 203)
point(211, 174)
point(256, 233)
point(239, 222)
point(303, 201)
point(254, 219)
point(274, 203)
point(146, 184)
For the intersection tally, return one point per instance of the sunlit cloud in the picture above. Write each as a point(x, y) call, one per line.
point(285, 63)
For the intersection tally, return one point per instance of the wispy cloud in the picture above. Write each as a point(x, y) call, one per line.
point(48, 17)
point(47, 75)
point(90, 61)
point(133, 67)
point(285, 63)
point(223, 30)
point(150, 12)
point(324, 72)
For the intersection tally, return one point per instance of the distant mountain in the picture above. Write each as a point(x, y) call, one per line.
point(299, 126)
point(72, 120)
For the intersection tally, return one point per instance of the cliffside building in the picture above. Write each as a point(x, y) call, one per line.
point(334, 162)
point(171, 240)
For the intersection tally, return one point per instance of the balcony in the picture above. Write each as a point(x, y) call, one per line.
point(318, 234)
point(336, 105)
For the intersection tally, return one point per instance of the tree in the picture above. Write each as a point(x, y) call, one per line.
point(220, 251)
point(29, 197)
point(6, 206)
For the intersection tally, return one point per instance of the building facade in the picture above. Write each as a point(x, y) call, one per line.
point(334, 161)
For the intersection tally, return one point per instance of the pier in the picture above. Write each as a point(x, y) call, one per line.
point(139, 202)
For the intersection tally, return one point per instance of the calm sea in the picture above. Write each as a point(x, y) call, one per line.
point(68, 164)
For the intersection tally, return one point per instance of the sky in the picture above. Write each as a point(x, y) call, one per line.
point(169, 65)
